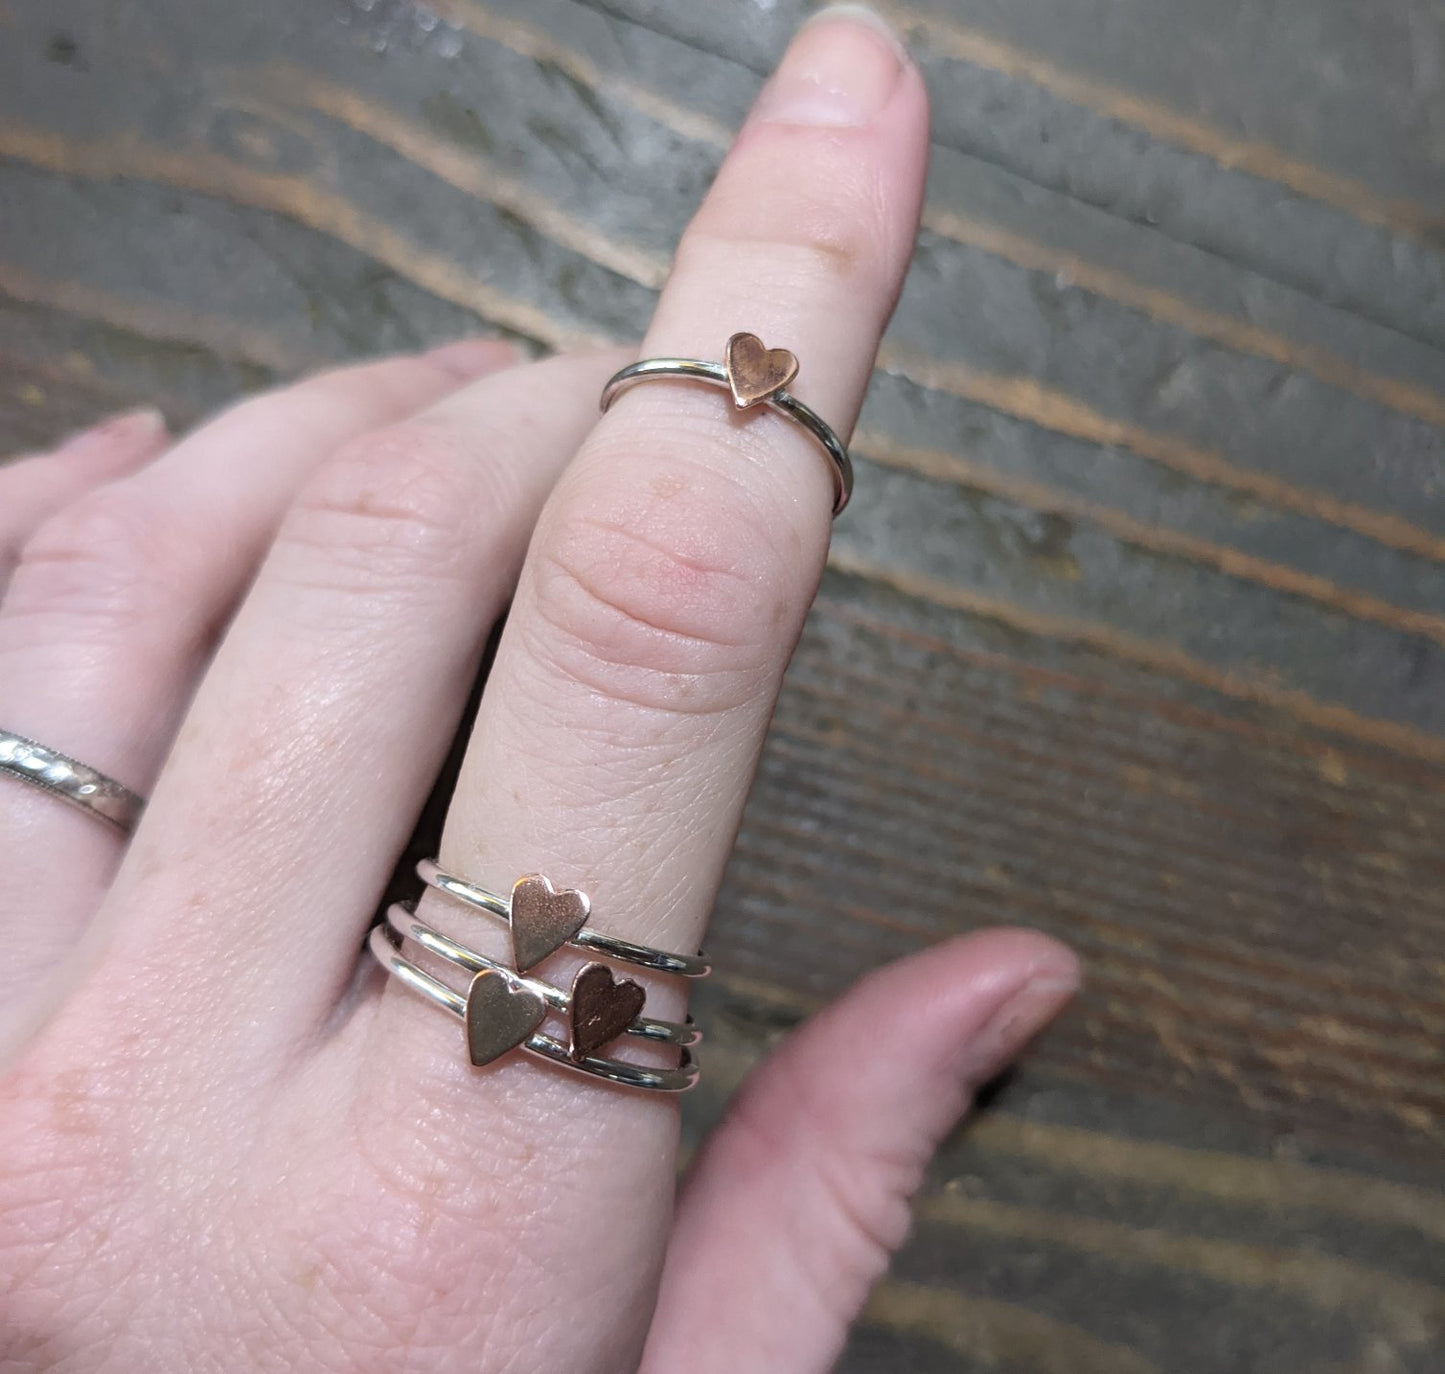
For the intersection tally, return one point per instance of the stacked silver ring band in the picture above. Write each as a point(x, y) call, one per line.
point(503, 1008)
point(683, 965)
point(619, 1071)
point(402, 918)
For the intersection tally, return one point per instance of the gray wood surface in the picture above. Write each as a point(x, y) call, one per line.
point(1135, 631)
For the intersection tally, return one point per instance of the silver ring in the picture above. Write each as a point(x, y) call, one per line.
point(677, 1080)
point(70, 780)
point(405, 922)
point(756, 376)
point(532, 946)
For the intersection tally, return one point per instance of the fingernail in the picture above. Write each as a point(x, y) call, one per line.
point(860, 14)
point(1019, 1020)
point(472, 358)
point(128, 428)
point(840, 70)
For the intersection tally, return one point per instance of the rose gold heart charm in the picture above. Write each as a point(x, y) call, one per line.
point(499, 1016)
point(601, 1008)
point(543, 918)
point(755, 372)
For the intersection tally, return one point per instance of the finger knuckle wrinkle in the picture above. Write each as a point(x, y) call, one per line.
point(420, 1230)
point(108, 558)
point(663, 613)
point(832, 218)
point(847, 1226)
point(59, 1176)
point(866, 1186)
point(808, 252)
point(873, 1210)
point(394, 502)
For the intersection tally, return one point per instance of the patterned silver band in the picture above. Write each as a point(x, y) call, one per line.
point(70, 780)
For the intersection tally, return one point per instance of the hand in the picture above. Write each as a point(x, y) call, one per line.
point(223, 1145)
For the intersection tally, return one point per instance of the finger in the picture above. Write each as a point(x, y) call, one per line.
point(665, 587)
point(33, 487)
point(115, 604)
point(672, 569)
point(323, 721)
point(799, 1198)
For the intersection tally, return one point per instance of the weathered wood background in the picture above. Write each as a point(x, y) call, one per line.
point(1135, 631)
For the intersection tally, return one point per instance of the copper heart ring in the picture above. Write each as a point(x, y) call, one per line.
point(754, 372)
point(501, 1014)
point(756, 375)
point(502, 1010)
point(544, 917)
point(601, 1008)
point(506, 1008)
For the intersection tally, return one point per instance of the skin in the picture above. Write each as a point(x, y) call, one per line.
point(223, 1144)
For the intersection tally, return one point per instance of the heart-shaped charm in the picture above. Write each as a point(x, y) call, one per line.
point(543, 918)
point(500, 1016)
point(755, 372)
point(602, 1008)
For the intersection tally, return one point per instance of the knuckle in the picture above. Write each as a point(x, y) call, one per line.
point(873, 1221)
point(667, 593)
point(858, 1200)
point(808, 260)
point(59, 1180)
point(415, 1226)
point(397, 503)
point(108, 558)
point(829, 224)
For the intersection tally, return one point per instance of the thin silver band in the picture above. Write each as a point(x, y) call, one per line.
point(676, 1080)
point(784, 402)
point(70, 780)
point(402, 919)
point(644, 956)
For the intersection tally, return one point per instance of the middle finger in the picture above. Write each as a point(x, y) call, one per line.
point(326, 713)
point(664, 589)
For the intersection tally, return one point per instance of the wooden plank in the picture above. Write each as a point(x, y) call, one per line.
point(1186, 893)
point(1001, 95)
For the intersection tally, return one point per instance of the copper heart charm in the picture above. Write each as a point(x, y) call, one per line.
point(755, 372)
point(601, 1008)
point(543, 918)
point(499, 1016)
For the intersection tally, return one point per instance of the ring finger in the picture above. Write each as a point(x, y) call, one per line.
point(35, 486)
point(114, 604)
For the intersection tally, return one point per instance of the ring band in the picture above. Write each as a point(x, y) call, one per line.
point(405, 922)
point(624, 951)
point(677, 1080)
point(756, 376)
point(70, 780)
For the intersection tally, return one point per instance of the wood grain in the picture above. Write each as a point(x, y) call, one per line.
point(1135, 631)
